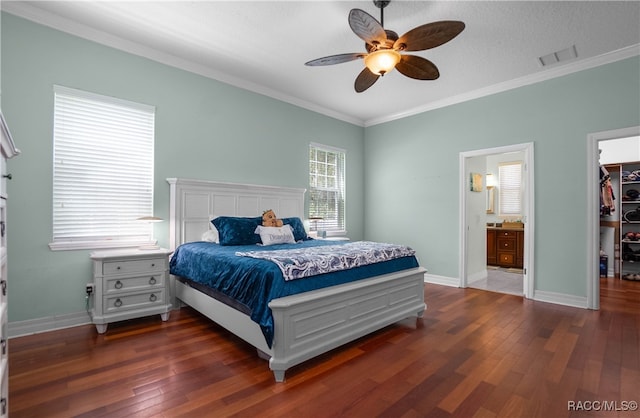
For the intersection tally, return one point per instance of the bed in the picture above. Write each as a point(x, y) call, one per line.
point(304, 325)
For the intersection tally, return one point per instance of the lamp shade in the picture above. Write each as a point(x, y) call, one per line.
point(382, 61)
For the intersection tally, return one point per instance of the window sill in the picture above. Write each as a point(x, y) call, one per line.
point(341, 233)
point(96, 245)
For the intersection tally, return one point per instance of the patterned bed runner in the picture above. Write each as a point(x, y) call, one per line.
point(305, 262)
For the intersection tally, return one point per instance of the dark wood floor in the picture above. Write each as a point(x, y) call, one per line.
point(474, 354)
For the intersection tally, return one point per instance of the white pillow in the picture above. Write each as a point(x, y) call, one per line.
point(275, 235)
point(211, 235)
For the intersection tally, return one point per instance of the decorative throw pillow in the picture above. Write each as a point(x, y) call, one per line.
point(299, 233)
point(271, 235)
point(236, 230)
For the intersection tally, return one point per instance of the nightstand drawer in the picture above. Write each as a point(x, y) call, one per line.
point(127, 284)
point(133, 301)
point(133, 266)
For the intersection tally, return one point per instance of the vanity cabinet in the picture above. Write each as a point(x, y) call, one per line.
point(492, 255)
point(505, 247)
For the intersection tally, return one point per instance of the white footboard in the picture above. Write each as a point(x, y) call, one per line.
point(313, 323)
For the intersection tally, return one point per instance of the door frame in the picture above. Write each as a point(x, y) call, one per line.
point(528, 211)
point(593, 208)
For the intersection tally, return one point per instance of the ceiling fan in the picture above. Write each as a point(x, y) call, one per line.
point(384, 47)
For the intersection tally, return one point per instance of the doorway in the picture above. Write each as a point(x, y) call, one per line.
point(593, 208)
point(472, 221)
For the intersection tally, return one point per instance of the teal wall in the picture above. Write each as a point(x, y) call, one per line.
point(402, 176)
point(411, 168)
point(204, 130)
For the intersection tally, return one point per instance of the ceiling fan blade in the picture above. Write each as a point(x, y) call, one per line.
point(336, 59)
point(429, 36)
point(365, 80)
point(417, 67)
point(367, 27)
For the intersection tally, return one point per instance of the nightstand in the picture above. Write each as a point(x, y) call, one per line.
point(129, 283)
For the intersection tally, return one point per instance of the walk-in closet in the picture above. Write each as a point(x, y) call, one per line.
point(620, 208)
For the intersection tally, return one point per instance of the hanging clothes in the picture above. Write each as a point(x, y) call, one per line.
point(607, 198)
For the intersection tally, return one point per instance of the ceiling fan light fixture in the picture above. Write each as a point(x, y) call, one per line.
point(382, 61)
point(383, 47)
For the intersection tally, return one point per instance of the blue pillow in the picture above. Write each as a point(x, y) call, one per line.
point(237, 231)
point(299, 233)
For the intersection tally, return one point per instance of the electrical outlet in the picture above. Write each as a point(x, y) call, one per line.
point(89, 288)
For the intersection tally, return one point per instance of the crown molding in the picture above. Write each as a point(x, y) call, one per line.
point(559, 71)
point(39, 16)
point(45, 18)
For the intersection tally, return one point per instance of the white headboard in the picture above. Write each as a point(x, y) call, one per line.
point(193, 203)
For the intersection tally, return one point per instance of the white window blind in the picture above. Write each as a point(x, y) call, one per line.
point(103, 170)
point(327, 187)
point(509, 188)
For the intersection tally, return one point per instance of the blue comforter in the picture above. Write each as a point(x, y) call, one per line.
point(253, 282)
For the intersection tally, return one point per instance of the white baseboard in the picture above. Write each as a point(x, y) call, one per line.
point(561, 299)
point(50, 323)
point(477, 276)
point(442, 280)
point(539, 295)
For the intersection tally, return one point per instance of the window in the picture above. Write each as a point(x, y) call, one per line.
point(102, 170)
point(327, 187)
point(509, 188)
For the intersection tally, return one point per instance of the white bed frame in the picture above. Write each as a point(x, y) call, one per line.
point(305, 325)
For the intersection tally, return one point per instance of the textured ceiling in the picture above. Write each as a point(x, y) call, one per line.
point(262, 46)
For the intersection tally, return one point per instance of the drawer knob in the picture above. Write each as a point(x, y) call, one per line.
point(152, 280)
point(7, 176)
point(117, 303)
point(153, 264)
point(118, 268)
point(118, 284)
point(153, 298)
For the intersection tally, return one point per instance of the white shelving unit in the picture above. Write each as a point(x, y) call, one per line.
point(629, 197)
point(8, 150)
point(624, 222)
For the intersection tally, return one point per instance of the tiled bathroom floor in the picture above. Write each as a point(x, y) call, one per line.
point(501, 280)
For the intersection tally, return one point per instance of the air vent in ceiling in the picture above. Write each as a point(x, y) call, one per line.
point(558, 56)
